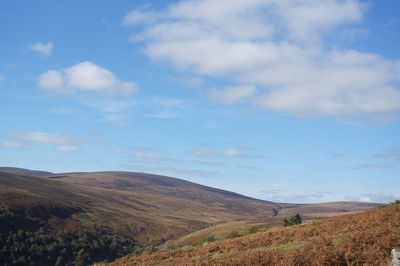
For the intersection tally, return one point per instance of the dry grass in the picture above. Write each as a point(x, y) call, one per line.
point(357, 239)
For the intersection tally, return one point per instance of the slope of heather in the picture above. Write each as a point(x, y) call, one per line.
point(356, 239)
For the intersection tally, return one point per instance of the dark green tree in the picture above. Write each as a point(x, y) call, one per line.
point(295, 219)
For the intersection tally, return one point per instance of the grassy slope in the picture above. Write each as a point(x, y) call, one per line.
point(226, 230)
point(356, 239)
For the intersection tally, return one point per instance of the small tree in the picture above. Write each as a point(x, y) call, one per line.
point(296, 219)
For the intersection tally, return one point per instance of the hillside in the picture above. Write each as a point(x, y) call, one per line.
point(150, 207)
point(356, 239)
point(135, 210)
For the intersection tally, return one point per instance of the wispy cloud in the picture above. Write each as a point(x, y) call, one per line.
point(208, 163)
point(282, 195)
point(16, 144)
point(371, 166)
point(393, 153)
point(245, 166)
point(335, 154)
point(59, 110)
point(245, 148)
point(43, 48)
point(376, 197)
point(204, 153)
point(153, 158)
point(67, 149)
point(231, 153)
point(118, 151)
point(115, 111)
point(166, 108)
point(171, 170)
point(212, 124)
point(44, 137)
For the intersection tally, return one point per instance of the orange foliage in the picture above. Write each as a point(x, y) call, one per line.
point(358, 239)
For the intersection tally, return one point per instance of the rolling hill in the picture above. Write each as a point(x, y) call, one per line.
point(138, 210)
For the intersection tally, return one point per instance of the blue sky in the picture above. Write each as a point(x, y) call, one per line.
point(289, 101)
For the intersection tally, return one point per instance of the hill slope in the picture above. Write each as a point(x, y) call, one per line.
point(150, 207)
point(153, 205)
point(129, 209)
point(357, 239)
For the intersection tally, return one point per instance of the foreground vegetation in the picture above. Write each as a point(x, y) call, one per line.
point(357, 239)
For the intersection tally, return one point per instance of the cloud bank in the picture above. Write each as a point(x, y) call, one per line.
point(280, 53)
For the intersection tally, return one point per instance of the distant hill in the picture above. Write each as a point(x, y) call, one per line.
point(23, 171)
point(365, 238)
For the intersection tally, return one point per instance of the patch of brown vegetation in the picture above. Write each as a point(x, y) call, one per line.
point(357, 239)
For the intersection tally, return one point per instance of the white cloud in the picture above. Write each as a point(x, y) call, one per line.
point(50, 138)
point(43, 48)
point(277, 48)
point(16, 144)
point(67, 149)
point(52, 80)
point(232, 94)
point(85, 76)
point(139, 16)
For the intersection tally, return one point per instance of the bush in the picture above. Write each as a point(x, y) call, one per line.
point(295, 219)
point(210, 239)
point(233, 234)
point(253, 230)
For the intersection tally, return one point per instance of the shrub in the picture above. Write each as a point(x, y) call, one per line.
point(233, 234)
point(253, 230)
point(295, 219)
point(210, 239)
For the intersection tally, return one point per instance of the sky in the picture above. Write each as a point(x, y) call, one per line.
point(282, 100)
